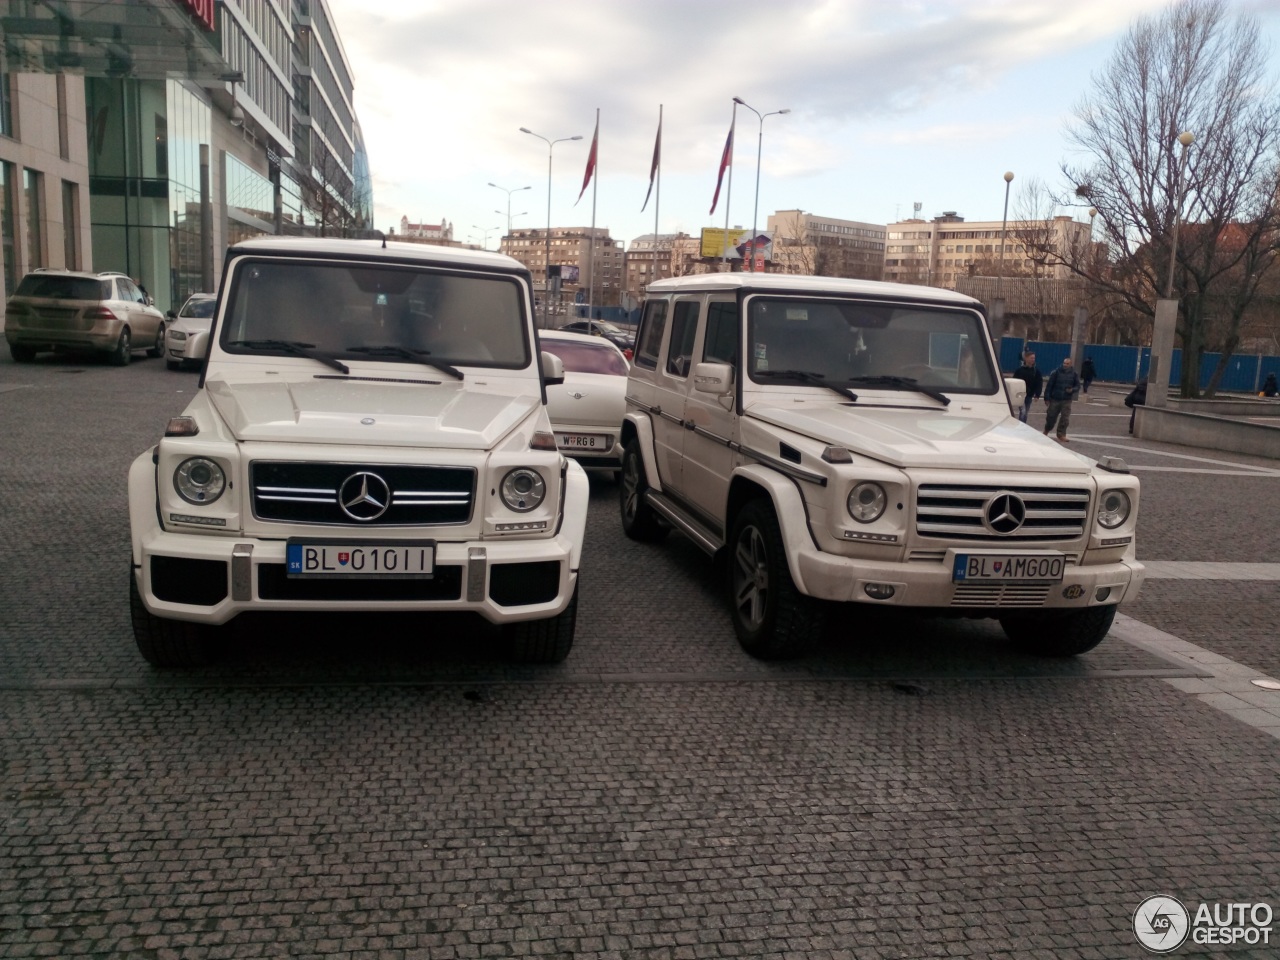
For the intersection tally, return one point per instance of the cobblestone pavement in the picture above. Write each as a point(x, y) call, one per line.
point(388, 787)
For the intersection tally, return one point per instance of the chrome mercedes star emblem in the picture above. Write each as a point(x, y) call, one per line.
point(1005, 513)
point(364, 496)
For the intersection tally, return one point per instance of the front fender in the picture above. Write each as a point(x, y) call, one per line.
point(577, 495)
point(788, 507)
point(644, 437)
point(143, 518)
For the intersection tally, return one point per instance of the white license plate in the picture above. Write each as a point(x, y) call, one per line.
point(1007, 568)
point(583, 441)
point(369, 560)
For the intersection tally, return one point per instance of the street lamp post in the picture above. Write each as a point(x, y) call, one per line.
point(759, 149)
point(1165, 322)
point(485, 231)
point(509, 193)
point(1004, 223)
point(546, 277)
point(1185, 138)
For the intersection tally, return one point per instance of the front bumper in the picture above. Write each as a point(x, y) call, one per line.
point(212, 579)
point(928, 585)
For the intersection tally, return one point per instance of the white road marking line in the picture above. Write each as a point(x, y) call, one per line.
point(1210, 570)
point(1229, 686)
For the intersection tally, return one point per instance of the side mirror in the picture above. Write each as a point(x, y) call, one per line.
point(552, 369)
point(171, 315)
point(1016, 388)
point(714, 378)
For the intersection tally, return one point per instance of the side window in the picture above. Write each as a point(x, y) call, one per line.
point(124, 290)
point(684, 329)
point(721, 344)
point(652, 326)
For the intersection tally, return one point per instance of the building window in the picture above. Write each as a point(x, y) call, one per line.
point(64, 137)
point(32, 182)
point(71, 225)
point(6, 105)
point(8, 226)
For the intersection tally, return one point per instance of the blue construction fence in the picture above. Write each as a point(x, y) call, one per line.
point(1244, 374)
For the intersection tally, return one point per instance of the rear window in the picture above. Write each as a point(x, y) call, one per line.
point(57, 287)
point(586, 357)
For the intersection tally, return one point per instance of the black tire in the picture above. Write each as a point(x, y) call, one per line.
point(166, 643)
point(773, 619)
point(1053, 634)
point(21, 353)
point(639, 521)
point(543, 641)
point(158, 349)
point(172, 364)
point(123, 352)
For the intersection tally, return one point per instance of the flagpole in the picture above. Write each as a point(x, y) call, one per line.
point(657, 198)
point(591, 239)
point(733, 128)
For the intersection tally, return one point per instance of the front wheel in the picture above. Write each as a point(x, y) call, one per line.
point(639, 520)
point(773, 619)
point(123, 352)
point(544, 641)
point(1059, 634)
point(21, 353)
point(166, 643)
point(158, 349)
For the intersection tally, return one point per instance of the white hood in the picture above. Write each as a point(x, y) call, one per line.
point(359, 411)
point(986, 438)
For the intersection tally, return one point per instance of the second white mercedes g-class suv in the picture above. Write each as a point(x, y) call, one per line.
point(853, 441)
point(370, 434)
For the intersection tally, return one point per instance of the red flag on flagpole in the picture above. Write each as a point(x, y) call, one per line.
point(726, 158)
point(591, 161)
point(653, 167)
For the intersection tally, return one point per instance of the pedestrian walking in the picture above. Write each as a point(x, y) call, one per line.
point(1269, 387)
point(1087, 373)
point(1034, 380)
point(1137, 398)
point(1063, 385)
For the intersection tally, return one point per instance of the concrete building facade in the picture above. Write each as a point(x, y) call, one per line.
point(577, 254)
point(805, 243)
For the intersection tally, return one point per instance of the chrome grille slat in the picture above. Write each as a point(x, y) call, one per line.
point(1000, 595)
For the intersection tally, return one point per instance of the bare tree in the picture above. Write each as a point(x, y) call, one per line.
point(1191, 68)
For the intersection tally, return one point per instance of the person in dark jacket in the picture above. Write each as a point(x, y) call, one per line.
point(1063, 385)
point(1269, 387)
point(1137, 398)
point(1032, 377)
point(1087, 374)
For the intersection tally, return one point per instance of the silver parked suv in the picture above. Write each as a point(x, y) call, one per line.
point(68, 310)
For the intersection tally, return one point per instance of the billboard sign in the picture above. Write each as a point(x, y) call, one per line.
point(733, 244)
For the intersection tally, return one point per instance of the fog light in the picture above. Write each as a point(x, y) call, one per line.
point(878, 591)
point(1102, 593)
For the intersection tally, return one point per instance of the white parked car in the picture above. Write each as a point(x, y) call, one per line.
point(587, 409)
point(853, 441)
point(370, 434)
point(187, 340)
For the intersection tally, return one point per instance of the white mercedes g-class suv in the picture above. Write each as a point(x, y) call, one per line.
point(853, 441)
point(370, 434)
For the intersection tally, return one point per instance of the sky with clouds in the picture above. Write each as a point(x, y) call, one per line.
point(893, 102)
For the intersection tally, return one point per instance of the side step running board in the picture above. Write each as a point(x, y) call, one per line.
point(683, 522)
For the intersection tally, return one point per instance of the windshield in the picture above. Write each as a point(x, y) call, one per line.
point(855, 342)
point(579, 357)
point(202, 308)
point(397, 314)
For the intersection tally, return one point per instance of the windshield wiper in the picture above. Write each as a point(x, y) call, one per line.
point(295, 347)
point(906, 383)
point(806, 376)
point(394, 350)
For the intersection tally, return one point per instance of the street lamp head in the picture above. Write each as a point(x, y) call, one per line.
point(1093, 212)
point(575, 138)
point(527, 130)
point(1186, 137)
point(787, 110)
point(739, 100)
point(1008, 176)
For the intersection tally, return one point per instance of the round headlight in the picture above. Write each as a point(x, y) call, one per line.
point(866, 502)
point(199, 480)
point(1113, 509)
point(523, 489)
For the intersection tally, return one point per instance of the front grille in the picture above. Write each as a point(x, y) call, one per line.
point(1000, 594)
point(959, 512)
point(309, 493)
